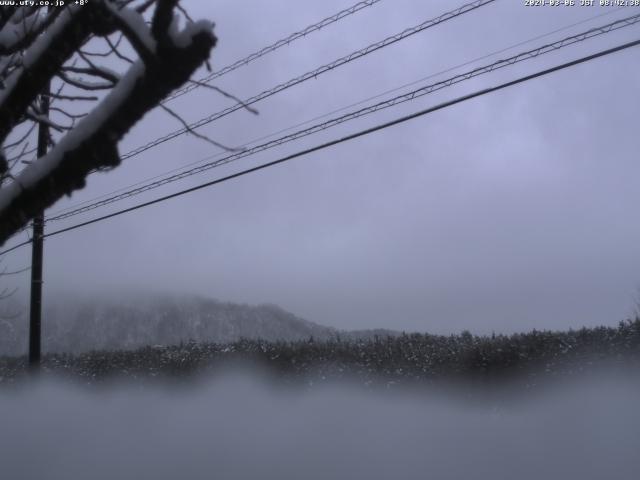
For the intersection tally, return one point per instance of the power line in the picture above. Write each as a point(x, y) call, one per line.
point(347, 138)
point(365, 111)
point(15, 247)
point(412, 95)
point(360, 102)
point(276, 45)
point(313, 74)
point(357, 134)
point(15, 272)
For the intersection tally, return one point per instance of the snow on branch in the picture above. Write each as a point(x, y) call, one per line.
point(133, 26)
point(40, 62)
point(23, 27)
point(168, 58)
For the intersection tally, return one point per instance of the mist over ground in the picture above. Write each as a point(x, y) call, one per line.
point(236, 426)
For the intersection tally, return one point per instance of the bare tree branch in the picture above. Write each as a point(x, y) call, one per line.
point(29, 31)
point(109, 52)
point(116, 52)
point(191, 131)
point(162, 18)
point(226, 94)
point(82, 84)
point(83, 98)
point(92, 144)
point(94, 71)
point(71, 28)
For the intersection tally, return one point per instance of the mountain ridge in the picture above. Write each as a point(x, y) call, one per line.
point(135, 320)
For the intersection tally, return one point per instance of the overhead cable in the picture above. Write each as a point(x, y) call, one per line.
point(313, 74)
point(275, 46)
point(353, 136)
point(409, 96)
point(327, 114)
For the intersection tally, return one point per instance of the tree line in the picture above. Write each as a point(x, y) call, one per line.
point(408, 358)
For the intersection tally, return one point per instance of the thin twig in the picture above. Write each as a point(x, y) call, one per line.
point(196, 134)
point(226, 94)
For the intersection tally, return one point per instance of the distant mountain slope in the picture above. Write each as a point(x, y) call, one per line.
point(96, 324)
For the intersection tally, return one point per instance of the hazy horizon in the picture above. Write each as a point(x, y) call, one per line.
point(509, 212)
point(140, 297)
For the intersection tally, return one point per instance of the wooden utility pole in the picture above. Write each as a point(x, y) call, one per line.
point(35, 308)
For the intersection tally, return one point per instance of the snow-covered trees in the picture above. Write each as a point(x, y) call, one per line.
point(93, 103)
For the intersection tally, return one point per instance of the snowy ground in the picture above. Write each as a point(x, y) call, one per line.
point(239, 427)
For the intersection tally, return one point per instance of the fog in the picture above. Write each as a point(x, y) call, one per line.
point(510, 212)
point(239, 426)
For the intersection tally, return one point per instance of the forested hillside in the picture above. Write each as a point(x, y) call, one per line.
point(78, 325)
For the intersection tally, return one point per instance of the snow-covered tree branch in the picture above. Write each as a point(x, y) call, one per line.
point(76, 47)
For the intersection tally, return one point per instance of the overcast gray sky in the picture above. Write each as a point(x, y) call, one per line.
point(512, 211)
